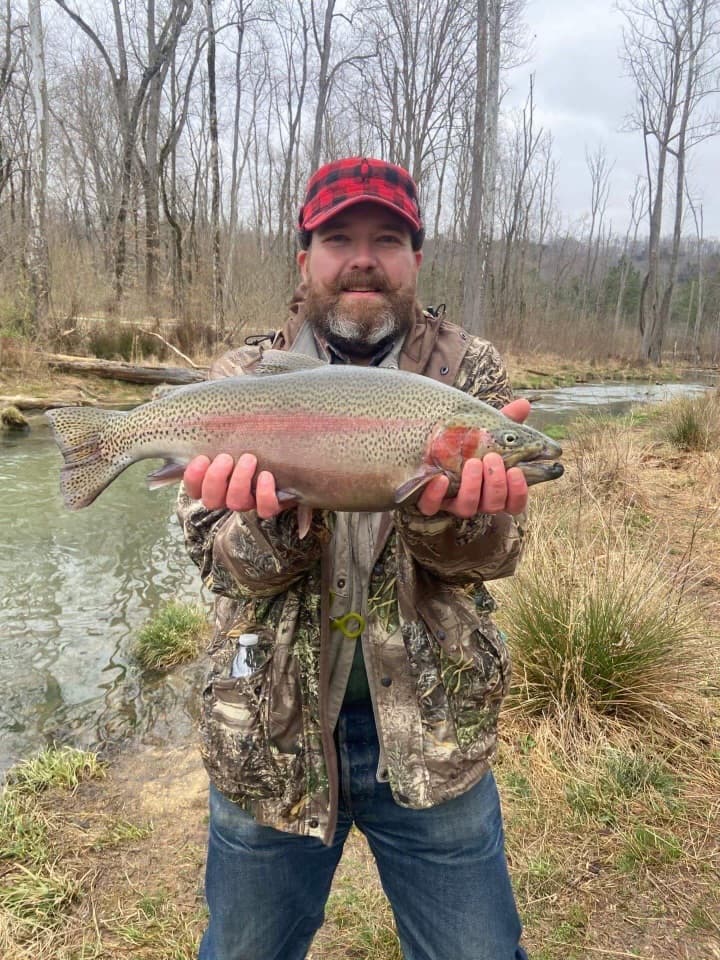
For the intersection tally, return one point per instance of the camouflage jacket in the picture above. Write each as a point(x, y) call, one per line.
point(437, 666)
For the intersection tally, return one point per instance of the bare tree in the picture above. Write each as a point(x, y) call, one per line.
point(328, 72)
point(218, 310)
point(130, 105)
point(475, 265)
point(637, 203)
point(597, 164)
point(523, 150)
point(697, 215)
point(672, 53)
point(422, 49)
point(37, 248)
point(9, 57)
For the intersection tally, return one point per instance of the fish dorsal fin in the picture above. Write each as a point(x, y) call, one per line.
point(271, 362)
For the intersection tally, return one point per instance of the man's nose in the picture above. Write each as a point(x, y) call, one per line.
point(363, 257)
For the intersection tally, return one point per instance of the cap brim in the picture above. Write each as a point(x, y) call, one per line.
point(328, 213)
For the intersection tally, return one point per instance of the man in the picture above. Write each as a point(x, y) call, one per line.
point(380, 677)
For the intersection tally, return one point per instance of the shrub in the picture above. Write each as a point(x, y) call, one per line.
point(693, 423)
point(172, 636)
point(602, 632)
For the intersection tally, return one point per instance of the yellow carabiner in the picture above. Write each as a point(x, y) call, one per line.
point(343, 624)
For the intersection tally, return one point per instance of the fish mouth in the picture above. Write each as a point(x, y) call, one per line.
point(547, 451)
point(539, 471)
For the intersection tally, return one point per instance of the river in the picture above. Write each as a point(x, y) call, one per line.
point(75, 588)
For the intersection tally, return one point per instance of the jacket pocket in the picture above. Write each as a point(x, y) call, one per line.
point(476, 678)
point(250, 730)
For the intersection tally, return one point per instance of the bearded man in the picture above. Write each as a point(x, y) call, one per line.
point(378, 674)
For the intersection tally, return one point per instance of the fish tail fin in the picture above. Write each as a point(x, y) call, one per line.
point(86, 471)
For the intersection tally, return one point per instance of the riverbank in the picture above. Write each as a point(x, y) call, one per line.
point(24, 373)
point(613, 824)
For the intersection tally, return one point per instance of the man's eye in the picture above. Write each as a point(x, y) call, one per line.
point(390, 238)
point(335, 238)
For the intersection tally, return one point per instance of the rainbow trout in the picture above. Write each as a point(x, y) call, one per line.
point(334, 437)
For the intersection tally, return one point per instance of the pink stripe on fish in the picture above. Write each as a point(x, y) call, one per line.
point(308, 422)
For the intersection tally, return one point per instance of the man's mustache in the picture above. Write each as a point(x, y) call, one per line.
point(361, 280)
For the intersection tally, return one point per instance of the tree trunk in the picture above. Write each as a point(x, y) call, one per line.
point(472, 313)
point(37, 248)
point(218, 310)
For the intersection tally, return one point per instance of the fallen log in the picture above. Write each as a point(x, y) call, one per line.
point(121, 370)
point(41, 403)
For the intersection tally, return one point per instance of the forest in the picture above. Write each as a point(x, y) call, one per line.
point(153, 157)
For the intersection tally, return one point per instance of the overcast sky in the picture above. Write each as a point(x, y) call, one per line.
point(582, 97)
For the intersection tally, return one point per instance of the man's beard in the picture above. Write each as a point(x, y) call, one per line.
point(361, 329)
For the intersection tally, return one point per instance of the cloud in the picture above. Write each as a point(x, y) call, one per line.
point(584, 98)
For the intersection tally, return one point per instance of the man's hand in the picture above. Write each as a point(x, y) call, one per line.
point(222, 484)
point(485, 485)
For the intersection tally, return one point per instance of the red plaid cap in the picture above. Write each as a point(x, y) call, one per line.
point(342, 183)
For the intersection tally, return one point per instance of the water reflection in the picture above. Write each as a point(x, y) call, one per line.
point(75, 589)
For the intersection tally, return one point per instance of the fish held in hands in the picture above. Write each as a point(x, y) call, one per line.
point(334, 437)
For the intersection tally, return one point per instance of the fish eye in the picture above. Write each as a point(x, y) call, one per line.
point(510, 437)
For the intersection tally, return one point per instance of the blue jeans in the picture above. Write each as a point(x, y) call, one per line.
point(443, 869)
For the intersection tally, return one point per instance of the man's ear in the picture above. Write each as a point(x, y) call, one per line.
point(302, 257)
point(418, 258)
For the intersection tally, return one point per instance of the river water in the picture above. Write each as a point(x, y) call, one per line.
point(75, 588)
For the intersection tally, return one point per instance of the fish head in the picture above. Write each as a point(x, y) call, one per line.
point(517, 443)
point(452, 444)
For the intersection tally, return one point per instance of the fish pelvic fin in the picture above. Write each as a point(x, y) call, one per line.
point(86, 470)
point(170, 472)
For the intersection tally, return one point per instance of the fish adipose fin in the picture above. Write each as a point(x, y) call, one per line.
point(86, 471)
point(273, 362)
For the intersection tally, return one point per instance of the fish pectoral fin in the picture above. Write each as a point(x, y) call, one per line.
point(170, 472)
point(273, 362)
point(410, 491)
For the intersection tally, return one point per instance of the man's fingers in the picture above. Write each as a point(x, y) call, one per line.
point(194, 476)
point(215, 483)
point(265, 496)
point(517, 491)
point(239, 492)
point(494, 484)
point(472, 483)
point(433, 496)
point(517, 410)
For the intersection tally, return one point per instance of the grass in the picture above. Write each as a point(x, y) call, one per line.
point(692, 423)
point(607, 633)
point(63, 767)
point(172, 636)
point(36, 892)
point(23, 834)
point(38, 898)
